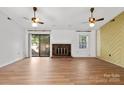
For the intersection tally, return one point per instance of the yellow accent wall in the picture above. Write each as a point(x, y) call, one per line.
point(112, 41)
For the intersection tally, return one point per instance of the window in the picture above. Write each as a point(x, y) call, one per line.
point(83, 41)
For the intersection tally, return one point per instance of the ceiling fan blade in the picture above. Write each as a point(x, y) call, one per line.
point(40, 22)
point(84, 22)
point(25, 18)
point(101, 19)
point(91, 10)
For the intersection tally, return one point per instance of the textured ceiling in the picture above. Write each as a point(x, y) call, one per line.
point(60, 17)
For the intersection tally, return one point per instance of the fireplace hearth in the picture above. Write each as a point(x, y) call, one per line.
point(61, 50)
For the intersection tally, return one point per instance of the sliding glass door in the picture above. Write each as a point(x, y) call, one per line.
point(40, 45)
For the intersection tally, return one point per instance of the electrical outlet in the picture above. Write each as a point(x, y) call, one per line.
point(110, 55)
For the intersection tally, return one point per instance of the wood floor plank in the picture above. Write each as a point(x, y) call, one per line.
point(61, 71)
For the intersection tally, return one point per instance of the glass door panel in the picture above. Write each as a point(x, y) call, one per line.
point(35, 45)
point(44, 45)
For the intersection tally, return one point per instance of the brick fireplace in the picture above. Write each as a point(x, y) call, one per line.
point(61, 50)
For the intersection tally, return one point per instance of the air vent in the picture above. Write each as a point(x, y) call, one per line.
point(9, 18)
point(82, 31)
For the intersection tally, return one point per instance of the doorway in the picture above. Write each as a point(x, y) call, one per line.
point(40, 45)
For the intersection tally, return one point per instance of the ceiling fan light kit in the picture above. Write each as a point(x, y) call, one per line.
point(91, 24)
point(34, 24)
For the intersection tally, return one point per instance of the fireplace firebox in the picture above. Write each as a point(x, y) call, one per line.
point(61, 50)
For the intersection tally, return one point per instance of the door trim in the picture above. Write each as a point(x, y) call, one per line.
point(30, 43)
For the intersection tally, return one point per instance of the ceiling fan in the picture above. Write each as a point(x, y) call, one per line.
point(35, 20)
point(93, 20)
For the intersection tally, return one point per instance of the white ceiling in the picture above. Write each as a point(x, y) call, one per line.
point(61, 17)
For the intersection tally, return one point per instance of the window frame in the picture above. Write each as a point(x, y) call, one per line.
point(87, 40)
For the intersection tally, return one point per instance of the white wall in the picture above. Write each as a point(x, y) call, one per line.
point(93, 43)
point(98, 44)
point(71, 37)
point(12, 41)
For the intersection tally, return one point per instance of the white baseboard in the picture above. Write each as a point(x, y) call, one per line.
point(13, 61)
